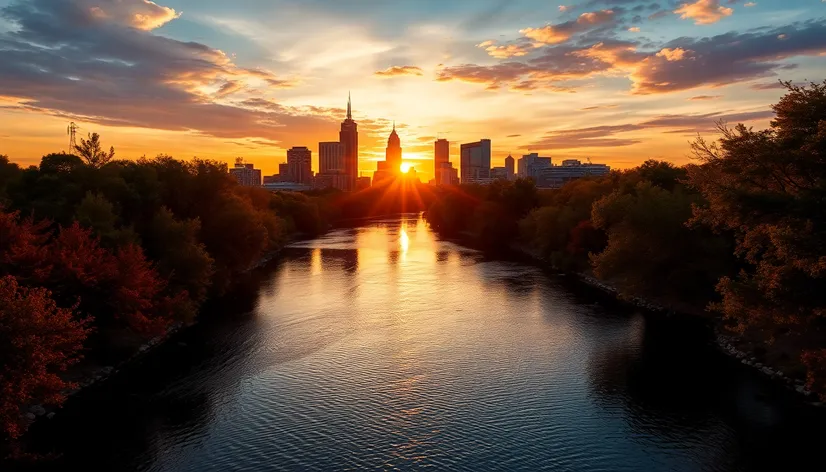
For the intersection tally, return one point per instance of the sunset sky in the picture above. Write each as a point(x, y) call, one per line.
point(617, 81)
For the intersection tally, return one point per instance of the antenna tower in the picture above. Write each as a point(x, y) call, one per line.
point(71, 130)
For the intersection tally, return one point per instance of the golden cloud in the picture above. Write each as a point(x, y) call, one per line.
point(703, 12)
point(397, 71)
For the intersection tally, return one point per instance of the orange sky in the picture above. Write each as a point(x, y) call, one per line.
point(204, 79)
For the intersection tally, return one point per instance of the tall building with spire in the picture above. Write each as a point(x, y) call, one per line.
point(393, 154)
point(349, 139)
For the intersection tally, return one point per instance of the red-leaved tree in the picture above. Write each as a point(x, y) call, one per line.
point(38, 340)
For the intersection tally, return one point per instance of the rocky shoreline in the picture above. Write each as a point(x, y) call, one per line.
point(724, 342)
point(100, 375)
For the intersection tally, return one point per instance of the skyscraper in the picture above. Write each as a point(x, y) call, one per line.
point(441, 152)
point(393, 154)
point(299, 162)
point(330, 157)
point(349, 138)
point(475, 162)
point(509, 166)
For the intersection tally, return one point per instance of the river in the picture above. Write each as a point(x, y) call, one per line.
point(385, 348)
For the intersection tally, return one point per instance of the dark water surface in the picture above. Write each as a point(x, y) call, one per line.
point(383, 347)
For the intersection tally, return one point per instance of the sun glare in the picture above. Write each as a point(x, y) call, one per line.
point(406, 166)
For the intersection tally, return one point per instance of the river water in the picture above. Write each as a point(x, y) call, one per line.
point(385, 348)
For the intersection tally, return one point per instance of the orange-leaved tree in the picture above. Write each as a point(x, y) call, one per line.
point(38, 340)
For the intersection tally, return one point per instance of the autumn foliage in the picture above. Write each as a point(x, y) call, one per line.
point(38, 340)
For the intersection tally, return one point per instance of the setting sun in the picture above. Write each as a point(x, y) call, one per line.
point(405, 167)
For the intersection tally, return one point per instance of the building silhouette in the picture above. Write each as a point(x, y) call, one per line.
point(349, 138)
point(390, 167)
point(330, 157)
point(474, 165)
point(393, 153)
point(571, 169)
point(444, 172)
point(300, 165)
point(530, 165)
point(499, 173)
point(331, 166)
point(441, 153)
point(246, 174)
point(510, 167)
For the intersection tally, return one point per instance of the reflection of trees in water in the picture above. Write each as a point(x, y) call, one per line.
point(344, 259)
point(129, 419)
point(679, 393)
point(124, 422)
point(442, 256)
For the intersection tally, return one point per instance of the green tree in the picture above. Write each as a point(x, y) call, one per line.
point(91, 150)
point(650, 250)
point(179, 254)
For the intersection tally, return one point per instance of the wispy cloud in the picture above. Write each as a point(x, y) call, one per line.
point(397, 71)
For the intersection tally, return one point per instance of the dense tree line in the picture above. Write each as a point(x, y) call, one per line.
point(739, 233)
point(98, 253)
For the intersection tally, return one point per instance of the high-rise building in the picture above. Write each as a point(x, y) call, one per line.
point(509, 166)
point(300, 164)
point(475, 162)
point(393, 153)
point(445, 173)
point(330, 157)
point(530, 165)
point(441, 152)
point(246, 174)
point(349, 138)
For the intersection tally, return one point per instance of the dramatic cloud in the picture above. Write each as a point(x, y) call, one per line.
point(705, 97)
point(396, 71)
point(703, 12)
point(682, 64)
point(750, 4)
point(555, 34)
point(504, 51)
point(64, 60)
point(729, 58)
point(634, 29)
point(141, 14)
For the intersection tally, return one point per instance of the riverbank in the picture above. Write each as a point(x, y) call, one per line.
point(738, 348)
point(90, 373)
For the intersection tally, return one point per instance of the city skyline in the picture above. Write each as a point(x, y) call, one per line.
point(619, 82)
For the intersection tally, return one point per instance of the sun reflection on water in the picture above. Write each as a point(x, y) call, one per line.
point(404, 240)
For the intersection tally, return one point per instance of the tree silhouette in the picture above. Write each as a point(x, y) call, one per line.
point(92, 151)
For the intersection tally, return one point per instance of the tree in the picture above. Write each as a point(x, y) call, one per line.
point(92, 151)
point(180, 255)
point(8, 172)
point(650, 250)
point(768, 189)
point(38, 340)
